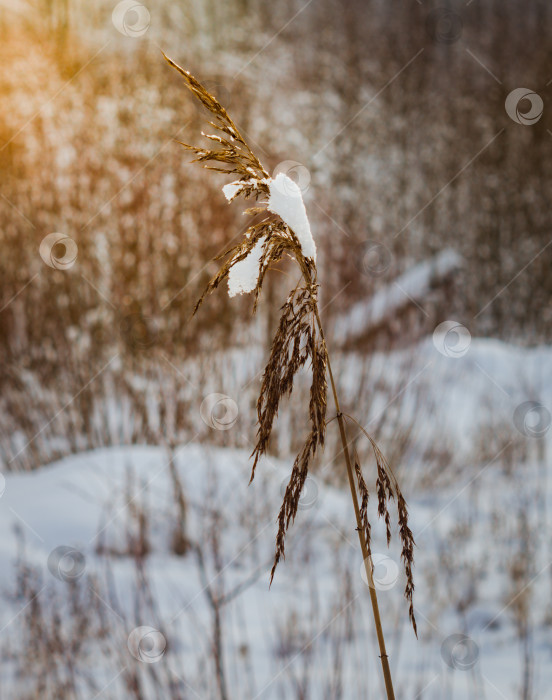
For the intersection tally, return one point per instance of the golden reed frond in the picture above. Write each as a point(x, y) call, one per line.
point(299, 337)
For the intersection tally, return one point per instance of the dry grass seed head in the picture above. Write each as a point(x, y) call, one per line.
point(387, 488)
point(298, 338)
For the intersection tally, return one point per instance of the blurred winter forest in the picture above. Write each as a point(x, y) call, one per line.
point(428, 202)
point(395, 115)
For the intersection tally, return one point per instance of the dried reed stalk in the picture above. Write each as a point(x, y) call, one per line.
point(299, 338)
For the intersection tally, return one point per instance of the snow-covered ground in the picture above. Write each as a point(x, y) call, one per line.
point(474, 415)
point(483, 561)
point(412, 286)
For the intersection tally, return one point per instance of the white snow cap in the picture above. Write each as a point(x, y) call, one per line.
point(232, 189)
point(286, 201)
point(243, 276)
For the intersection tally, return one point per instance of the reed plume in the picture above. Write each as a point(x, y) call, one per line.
point(284, 230)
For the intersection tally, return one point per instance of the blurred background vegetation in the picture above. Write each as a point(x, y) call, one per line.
point(426, 200)
point(395, 113)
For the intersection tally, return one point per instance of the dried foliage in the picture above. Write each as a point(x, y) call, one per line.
point(364, 498)
point(299, 337)
point(234, 151)
point(387, 488)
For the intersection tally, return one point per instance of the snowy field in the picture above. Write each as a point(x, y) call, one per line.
point(135, 557)
point(482, 571)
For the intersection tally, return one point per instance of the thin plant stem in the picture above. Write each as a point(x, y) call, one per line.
point(368, 564)
point(295, 341)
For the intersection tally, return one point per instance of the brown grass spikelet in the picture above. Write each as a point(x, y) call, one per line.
point(387, 488)
point(233, 150)
point(364, 498)
point(299, 339)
